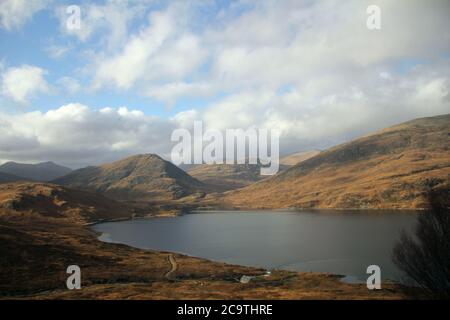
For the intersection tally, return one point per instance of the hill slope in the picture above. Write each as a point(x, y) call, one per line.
point(44, 171)
point(296, 158)
point(52, 201)
point(392, 168)
point(224, 177)
point(140, 177)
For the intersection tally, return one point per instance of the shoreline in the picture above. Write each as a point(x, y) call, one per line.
point(118, 271)
point(266, 270)
point(342, 276)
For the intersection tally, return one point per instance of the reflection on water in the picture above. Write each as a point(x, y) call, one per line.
point(344, 242)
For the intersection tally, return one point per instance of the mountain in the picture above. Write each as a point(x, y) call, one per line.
point(6, 177)
point(44, 171)
point(223, 177)
point(141, 177)
point(392, 168)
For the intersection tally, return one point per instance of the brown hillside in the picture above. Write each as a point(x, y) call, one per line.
point(52, 201)
point(296, 158)
point(392, 168)
point(224, 177)
point(140, 177)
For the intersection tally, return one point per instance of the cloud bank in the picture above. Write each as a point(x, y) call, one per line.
point(14, 13)
point(18, 83)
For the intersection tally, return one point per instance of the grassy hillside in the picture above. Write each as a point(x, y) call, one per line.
point(225, 177)
point(297, 157)
point(57, 202)
point(392, 168)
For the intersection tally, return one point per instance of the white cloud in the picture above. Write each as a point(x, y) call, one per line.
point(162, 51)
point(77, 135)
point(185, 119)
point(69, 85)
point(297, 41)
point(309, 68)
point(110, 18)
point(171, 91)
point(124, 69)
point(19, 83)
point(331, 111)
point(14, 13)
point(266, 45)
point(55, 51)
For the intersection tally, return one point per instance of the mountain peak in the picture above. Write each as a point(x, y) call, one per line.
point(137, 177)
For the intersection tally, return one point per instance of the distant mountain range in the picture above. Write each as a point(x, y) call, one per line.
point(224, 177)
point(392, 168)
point(149, 177)
point(145, 177)
point(6, 177)
point(44, 171)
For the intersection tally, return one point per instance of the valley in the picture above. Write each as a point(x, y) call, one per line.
point(46, 226)
point(38, 243)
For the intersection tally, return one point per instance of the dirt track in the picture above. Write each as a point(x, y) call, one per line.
point(173, 267)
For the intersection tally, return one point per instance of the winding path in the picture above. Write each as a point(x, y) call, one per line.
point(173, 267)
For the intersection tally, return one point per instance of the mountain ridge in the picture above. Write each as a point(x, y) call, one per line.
point(6, 177)
point(390, 168)
point(140, 177)
point(43, 171)
point(225, 177)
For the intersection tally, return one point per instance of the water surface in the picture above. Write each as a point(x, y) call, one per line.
point(341, 242)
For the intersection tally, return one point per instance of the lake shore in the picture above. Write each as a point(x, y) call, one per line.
point(115, 271)
point(45, 228)
point(282, 239)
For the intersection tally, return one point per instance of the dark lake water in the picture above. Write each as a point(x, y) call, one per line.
point(341, 242)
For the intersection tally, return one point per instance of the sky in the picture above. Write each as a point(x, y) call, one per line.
point(134, 71)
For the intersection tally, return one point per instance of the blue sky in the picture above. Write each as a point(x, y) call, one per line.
point(311, 69)
point(30, 43)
